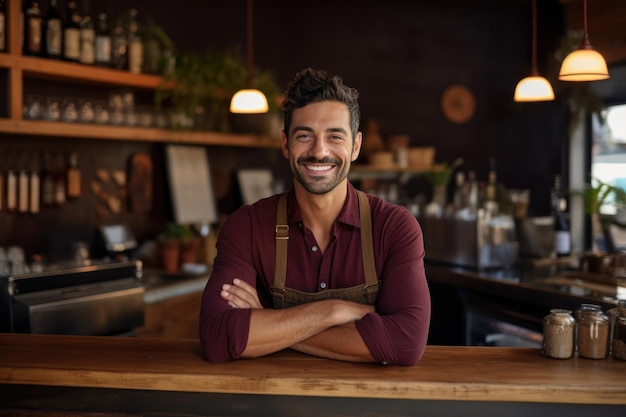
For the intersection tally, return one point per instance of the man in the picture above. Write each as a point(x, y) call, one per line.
point(325, 269)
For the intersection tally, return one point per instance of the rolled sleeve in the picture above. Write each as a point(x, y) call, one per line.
point(223, 329)
point(397, 333)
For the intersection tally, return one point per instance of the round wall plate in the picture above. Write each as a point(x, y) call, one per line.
point(458, 103)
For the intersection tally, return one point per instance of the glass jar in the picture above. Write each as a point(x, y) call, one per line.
point(593, 334)
point(578, 314)
point(584, 308)
point(558, 334)
point(617, 317)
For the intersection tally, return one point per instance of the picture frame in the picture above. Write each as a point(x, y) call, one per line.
point(255, 184)
point(191, 187)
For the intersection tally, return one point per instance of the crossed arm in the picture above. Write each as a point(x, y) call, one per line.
point(322, 328)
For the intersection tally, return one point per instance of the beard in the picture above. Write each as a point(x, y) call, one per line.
point(320, 184)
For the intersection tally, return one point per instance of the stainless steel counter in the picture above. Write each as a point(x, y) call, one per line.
point(160, 286)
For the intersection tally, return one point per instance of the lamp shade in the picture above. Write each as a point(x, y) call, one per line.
point(533, 88)
point(249, 101)
point(584, 64)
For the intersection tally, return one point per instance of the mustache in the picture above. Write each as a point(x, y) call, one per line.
point(310, 160)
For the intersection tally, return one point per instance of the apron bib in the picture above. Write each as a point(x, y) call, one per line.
point(366, 293)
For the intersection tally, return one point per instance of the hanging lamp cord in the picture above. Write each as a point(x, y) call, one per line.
point(534, 46)
point(249, 40)
point(585, 15)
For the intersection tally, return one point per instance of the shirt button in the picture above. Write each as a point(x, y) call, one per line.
point(314, 248)
point(323, 285)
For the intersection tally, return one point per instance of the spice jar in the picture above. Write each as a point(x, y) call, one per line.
point(593, 334)
point(558, 334)
point(578, 314)
point(617, 316)
point(584, 308)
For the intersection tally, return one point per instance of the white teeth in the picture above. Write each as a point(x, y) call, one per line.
point(319, 167)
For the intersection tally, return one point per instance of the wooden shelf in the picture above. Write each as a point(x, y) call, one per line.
point(50, 69)
point(23, 68)
point(19, 69)
point(89, 131)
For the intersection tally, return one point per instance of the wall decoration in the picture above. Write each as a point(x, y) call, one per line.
point(458, 103)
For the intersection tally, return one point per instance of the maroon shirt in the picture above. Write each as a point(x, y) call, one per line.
point(396, 334)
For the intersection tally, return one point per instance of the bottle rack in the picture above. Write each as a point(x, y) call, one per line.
point(22, 68)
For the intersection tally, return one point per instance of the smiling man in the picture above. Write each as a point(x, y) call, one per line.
point(323, 269)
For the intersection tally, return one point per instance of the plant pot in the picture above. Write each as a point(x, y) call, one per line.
point(170, 251)
point(190, 251)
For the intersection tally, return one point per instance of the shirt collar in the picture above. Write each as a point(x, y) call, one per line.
point(349, 213)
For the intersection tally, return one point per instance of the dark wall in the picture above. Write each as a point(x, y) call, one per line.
point(399, 54)
point(53, 230)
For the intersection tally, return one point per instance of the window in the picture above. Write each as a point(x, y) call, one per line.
point(608, 157)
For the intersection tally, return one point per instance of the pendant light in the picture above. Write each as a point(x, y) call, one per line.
point(534, 87)
point(249, 100)
point(584, 64)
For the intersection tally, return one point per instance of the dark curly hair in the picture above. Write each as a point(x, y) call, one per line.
point(310, 86)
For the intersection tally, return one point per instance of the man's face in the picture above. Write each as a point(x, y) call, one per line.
point(319, 145)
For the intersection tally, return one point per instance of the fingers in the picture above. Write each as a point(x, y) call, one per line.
point(240, 294)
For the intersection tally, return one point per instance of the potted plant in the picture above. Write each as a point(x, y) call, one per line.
point(176, 244)
point(158, 48)
point(439, 177)
point(597, 194)
point(200, 88)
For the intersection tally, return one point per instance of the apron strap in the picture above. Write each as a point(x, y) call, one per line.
point(367, 242)
point(367, 245)
point(282, 238)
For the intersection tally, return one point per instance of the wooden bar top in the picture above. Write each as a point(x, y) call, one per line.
point(444, 373)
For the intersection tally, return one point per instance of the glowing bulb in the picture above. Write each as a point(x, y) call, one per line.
point(249, 101)
point(533, 88)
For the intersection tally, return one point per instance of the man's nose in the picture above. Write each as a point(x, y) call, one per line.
point(319, 148)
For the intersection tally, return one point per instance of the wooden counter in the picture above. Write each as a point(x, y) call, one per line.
point(461, 376)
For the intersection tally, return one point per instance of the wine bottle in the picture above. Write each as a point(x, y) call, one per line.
point(73, 177)
point(491, 202)
point(33, 28)
point(11, 203)
point(119, 46)
point(473, 197)
point(562, 235)
point(47, 181)
point(60, 196)
point(103, 41)
point(71, 33)
point(22, 190)
point(3, 29)
point(34, 187)
point(53, 32)
point(460, 191)
point(491, 181)
point(87, 36)
point(135, 44)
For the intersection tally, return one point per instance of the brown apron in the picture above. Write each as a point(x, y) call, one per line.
point(366, 293)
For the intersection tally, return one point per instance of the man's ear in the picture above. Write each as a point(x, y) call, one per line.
point(284, 144)
point(356, 148)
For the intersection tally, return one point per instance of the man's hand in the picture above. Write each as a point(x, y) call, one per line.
point(322, 328)
point(240, 294)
